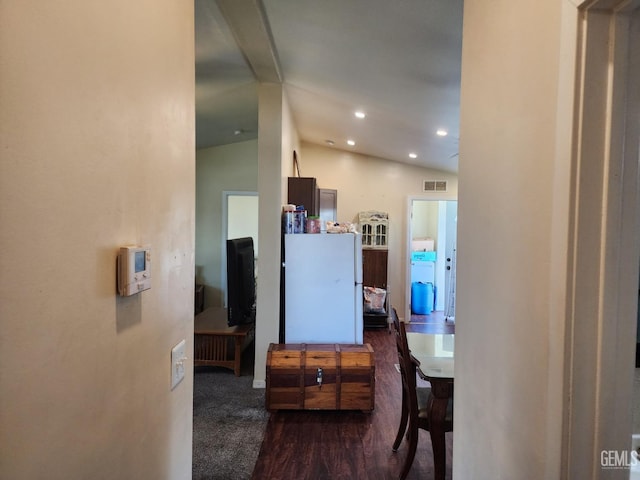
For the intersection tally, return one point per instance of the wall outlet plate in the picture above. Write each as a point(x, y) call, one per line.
point(178, 359)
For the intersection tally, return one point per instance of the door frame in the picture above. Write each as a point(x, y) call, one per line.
point(406, 261)
point(604, 253)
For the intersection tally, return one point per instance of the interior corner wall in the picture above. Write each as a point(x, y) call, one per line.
point(97, 151)
point(512, 240)
point(369, 183)
point(219, 169)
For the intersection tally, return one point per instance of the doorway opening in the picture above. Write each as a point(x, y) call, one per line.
point(239, 219)
point(432, 243)
point(431, 271)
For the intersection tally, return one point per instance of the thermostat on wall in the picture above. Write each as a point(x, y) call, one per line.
point(134, 270)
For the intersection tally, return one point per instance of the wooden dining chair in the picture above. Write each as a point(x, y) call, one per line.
point(415, 400)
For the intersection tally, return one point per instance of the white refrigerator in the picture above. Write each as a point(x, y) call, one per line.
point(323, 288)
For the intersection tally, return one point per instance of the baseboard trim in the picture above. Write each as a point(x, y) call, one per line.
point(259, 384)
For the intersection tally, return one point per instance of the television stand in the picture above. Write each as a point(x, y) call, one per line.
point(215, 343)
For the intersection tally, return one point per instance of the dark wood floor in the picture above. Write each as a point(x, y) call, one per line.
point(346, 445)
point(435, 323)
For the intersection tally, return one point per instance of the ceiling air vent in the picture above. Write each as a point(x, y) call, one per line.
point(434, 186)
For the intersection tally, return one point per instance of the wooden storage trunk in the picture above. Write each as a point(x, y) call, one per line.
point(320, 377)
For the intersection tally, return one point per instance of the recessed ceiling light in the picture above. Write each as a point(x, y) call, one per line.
point(360, 114)
point(331, 143)
point(441, 132)
point(351, 142)
point(413, 155)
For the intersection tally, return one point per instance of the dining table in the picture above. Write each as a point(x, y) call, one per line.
point(439, 372)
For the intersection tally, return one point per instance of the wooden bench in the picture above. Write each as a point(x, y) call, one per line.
point(215, 343)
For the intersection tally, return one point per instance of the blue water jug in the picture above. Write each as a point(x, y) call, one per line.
point(421, 298)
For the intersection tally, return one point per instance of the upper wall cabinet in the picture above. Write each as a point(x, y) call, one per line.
point(304, 191)
point(374, 227)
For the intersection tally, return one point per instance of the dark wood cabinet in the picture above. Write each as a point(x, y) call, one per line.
point(304, 191)
point(374, 274)
point(374, 268)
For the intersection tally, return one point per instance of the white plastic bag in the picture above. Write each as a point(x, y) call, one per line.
point(374, 299)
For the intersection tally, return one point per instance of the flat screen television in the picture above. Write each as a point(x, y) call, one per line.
point(241, 282)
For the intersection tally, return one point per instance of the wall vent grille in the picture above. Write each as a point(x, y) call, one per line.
point(434, 186)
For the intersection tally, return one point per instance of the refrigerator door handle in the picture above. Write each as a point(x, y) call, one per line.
point(357, 244)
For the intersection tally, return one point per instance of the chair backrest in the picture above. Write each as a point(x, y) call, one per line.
point(407, 365)
point(398, 337)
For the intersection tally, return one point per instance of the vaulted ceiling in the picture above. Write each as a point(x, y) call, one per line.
point(396, 61)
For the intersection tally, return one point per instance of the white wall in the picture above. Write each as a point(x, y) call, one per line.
point(242, 218)
point(513, 189)
point(228, 167)
point(424, 223)
point(97, 151)
point(368, 183)
point(277, 139)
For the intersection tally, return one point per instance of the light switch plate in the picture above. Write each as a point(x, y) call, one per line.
point(178, 359)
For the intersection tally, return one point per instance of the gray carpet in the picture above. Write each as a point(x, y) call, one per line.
point(229, 420)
